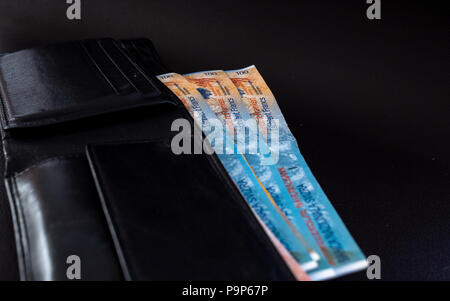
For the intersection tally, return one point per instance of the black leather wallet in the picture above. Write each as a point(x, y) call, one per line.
point(134, 210)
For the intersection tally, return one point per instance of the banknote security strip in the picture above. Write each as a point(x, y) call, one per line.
point(283, 194)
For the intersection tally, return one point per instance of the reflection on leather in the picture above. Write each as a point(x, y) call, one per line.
point(59, 214)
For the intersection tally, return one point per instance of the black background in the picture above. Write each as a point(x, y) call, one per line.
point(367, 100)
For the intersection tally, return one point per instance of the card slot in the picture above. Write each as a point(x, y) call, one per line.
point(130, 70)
point(71, 81)
point(105, 66)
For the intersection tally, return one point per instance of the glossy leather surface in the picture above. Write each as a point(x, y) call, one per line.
point(58, 214)
point(178, 217)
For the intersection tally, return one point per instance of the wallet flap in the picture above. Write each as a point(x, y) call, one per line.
point(178, 217)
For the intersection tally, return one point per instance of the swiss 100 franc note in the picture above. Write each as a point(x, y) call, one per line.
point(339, 253)
point(224, 100)
point(243, 176)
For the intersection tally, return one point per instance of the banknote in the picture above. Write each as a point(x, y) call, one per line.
point(339, 254)
point(240, 172)
point(225, 101)
point(222, 96)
